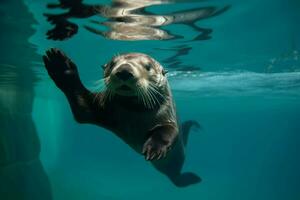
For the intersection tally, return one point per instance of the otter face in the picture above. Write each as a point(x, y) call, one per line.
point(134, 74)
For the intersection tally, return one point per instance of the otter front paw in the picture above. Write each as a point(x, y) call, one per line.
point(155, 149)
point(61, 69)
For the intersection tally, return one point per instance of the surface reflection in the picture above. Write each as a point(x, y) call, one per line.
point(174, 62)
point(128, 20)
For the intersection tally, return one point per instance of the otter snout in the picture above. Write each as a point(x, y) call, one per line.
point(124, 72)
point(124, 79)
point(133, 74)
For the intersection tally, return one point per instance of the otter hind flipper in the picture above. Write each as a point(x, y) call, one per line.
point(186, 127)
point(186, 179)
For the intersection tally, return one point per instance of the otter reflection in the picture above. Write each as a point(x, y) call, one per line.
point(128, 20)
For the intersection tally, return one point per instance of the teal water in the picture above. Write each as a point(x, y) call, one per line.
point(242, 84)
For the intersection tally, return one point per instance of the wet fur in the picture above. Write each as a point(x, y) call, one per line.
point(152, 131)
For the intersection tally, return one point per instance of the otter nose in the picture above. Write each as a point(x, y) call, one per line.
point(124, 74)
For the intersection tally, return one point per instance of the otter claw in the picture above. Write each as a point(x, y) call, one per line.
point(155, 149)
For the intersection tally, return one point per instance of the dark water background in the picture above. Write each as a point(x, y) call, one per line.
point(242, 85)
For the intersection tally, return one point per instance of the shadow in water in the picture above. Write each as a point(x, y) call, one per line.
point(21, 173)
point(128, 20)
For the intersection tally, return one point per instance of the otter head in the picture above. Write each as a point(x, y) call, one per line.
point(135, 74)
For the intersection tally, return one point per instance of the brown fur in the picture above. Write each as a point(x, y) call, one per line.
point(152, 131)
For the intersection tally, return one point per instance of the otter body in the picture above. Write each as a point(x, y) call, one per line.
point(138, 123)
point(136, 105)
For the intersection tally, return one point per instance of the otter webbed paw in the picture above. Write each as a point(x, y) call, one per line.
point(61, 69)
point(155, 149)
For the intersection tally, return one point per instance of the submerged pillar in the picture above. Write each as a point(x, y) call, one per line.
point(22, 176)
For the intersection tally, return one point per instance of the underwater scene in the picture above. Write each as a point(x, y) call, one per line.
point(149, 99)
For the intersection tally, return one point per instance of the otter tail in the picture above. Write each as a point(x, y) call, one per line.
point(186, 127)
point(186, 179)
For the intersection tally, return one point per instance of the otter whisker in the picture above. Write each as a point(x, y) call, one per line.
point(99, 85)
point(102, 96)
point(156, 90)
point(151, 97)
point(156, 93)
point(156, 97)
point(142, 96)
point(98, 97)
point(108, 94)
point(146, 97)
point(151, 100)
point(100, 80)
point(156, 101)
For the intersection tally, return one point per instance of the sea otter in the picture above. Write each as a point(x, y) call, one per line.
point(137, 106)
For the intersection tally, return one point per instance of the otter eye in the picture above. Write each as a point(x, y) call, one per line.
point(148, 67)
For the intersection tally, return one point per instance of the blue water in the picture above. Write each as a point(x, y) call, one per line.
point(242, 84)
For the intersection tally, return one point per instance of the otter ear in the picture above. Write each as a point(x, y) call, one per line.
point(164, 72)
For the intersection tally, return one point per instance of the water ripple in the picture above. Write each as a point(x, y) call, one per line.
point(236, 83)
point(128, 20)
